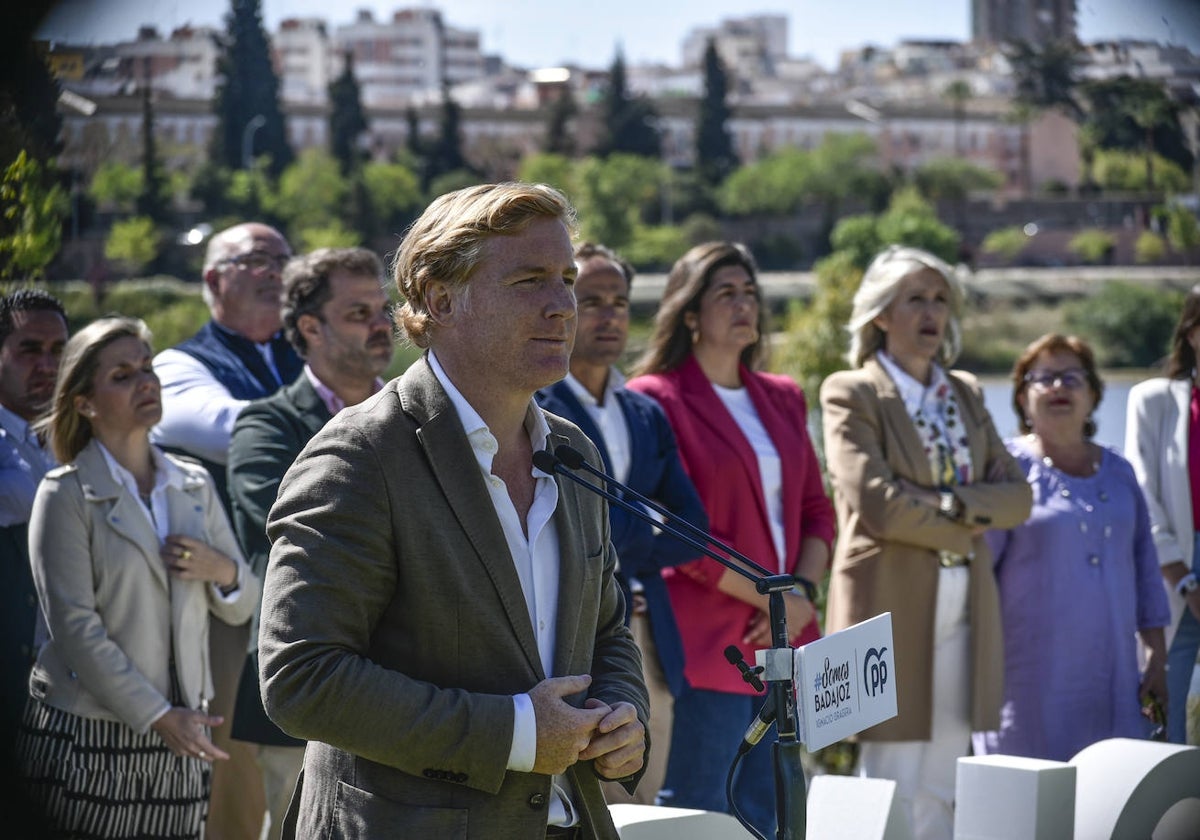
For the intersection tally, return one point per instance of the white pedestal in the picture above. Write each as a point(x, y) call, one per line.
point(854, 808)
point(652, 822)
point(1004, 797)
point(1125, 786)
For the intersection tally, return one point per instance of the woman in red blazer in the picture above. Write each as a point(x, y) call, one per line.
point(743, 440)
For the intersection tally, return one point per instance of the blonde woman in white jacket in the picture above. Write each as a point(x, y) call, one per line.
point(1160, 438)
point(131, 552)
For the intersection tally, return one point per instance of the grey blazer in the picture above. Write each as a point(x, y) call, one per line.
point(107, 599)
point(394, 630)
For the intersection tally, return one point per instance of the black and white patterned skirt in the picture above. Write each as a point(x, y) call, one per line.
point(100, 780)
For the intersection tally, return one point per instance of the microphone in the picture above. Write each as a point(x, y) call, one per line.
point(734, 657)
point(573, 459)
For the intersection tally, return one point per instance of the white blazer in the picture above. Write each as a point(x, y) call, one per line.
point(1156, 444)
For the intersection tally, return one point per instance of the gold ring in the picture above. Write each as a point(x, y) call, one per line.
point(186, 555)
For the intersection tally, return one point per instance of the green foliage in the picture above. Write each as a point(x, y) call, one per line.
point(1005, 243)
point(29, 117)
point(171, 308)
point(843, 166)
point(347, 119)
point(445, 157)
point(312, 191)
point(814, 339)
point(333, 234)
point(154, 199)
point(715, 156)
point(1183, 231)
point(394, 192)
point(1150, 247)
point(558, 122)
point(952, 179)
point(116, 186)
point(857, 237)
point(32, 209)
point(656, 247)
point(612, 195)
point(1115, 107)
point(1092, 245)
point(1120, 170)
point(628, 122)
point(455, 179)
point(134, 243)
point(248, 89)
point(548, 168)
point(909, 220)
point(1046, 74)
point(1128, 325)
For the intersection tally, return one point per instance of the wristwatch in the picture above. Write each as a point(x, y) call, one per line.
point(948, 504)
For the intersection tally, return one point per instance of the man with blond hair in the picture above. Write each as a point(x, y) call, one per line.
point(441, 619)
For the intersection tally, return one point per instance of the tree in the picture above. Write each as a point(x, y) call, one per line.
point(953, 179)
point(1111, 105)
point(613, 194)
point(29, 119)
point(133, 243)
point(153, 199)
point(1148, 114)
point(116, 186)
point(247, 100)
point(446, 155)
point(558, 139)
point(347, 120)
point(628, 121)
point(31, 223)
point(958, 92)
point(715, 157)
point(312, 191)
point(1046, 76)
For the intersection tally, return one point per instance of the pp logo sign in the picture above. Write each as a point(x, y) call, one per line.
point(875, 671)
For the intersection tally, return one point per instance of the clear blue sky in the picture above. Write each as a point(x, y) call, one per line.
point(548, 32)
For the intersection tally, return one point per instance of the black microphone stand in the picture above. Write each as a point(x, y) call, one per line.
point(790, 785)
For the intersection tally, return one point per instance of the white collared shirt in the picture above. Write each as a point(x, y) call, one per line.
point(158, 513)
point(606, 413)
point(536, 559)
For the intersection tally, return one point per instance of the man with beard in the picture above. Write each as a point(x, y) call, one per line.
point(338, 318)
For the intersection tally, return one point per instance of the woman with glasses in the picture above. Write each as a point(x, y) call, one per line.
point(131, 552)
point(1162, 441)
point(918, 473)
point(743, 440)
point(1079, 581)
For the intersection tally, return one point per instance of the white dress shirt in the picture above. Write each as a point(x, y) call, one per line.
point(198, 411)
point(606, 413)
point(536, 559)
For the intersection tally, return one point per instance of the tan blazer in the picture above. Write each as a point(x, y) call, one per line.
point(395, 633)
point(886, 558)
point(104, 590)
point(1156, 445)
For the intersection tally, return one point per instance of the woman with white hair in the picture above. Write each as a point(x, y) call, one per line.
point(918, 474)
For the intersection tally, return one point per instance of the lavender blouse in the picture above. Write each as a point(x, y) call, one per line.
point(1077, 580)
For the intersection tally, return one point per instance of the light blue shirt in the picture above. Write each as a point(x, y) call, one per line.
point(23, 462)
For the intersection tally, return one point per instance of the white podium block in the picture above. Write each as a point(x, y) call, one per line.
point(1125, 787)
point(653, 822)
point(1006, 797)
point(854, 808)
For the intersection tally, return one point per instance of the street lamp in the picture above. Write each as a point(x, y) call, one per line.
point(257, 122)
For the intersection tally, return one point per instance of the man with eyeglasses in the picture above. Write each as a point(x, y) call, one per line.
point(238, 356)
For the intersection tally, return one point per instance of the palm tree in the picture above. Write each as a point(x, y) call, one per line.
point(1149, 113)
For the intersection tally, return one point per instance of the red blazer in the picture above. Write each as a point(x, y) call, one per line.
point(719, 460)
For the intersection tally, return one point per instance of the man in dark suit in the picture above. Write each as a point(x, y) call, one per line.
point(240, 355)
point(441, 620)
point(337, 316)
point(638, 448)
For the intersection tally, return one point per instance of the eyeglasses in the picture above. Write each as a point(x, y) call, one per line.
point(1072, 379)
point(259, 262)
